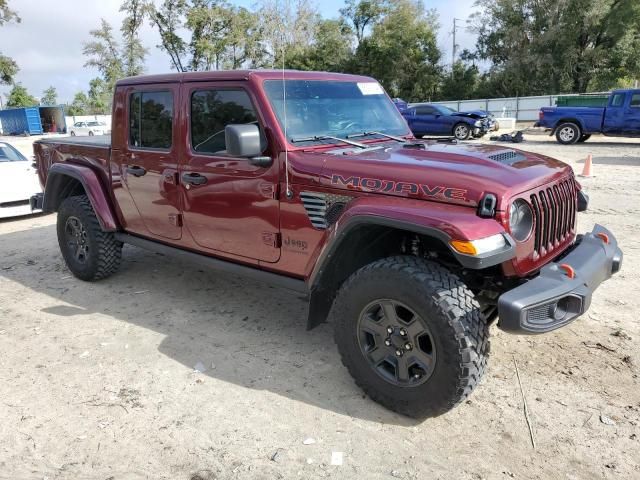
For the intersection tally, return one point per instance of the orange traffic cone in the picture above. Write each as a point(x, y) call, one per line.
point(587, 170)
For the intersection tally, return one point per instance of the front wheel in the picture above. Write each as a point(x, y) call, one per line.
point(568, 133)
point(584, 138)
point(462, 131)
point(91, 134)
point(411, 334)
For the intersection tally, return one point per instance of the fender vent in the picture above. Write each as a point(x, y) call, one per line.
point(323, 209)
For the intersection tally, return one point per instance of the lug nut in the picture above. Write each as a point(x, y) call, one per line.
point(389, 329)
point(398, 353)
point(407, 346)
point(387, 342)
point(403, 332)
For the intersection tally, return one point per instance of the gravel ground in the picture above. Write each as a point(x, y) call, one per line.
point(99, 381)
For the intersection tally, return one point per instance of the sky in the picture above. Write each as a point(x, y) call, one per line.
point(47, 45)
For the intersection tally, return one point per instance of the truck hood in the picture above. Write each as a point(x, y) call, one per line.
point(452, 173)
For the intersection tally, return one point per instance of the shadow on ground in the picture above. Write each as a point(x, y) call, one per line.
point(254, 334)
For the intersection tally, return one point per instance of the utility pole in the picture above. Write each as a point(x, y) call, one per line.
point(455, 46)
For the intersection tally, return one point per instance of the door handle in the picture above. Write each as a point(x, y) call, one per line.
point(136, 170)
point(193, 178)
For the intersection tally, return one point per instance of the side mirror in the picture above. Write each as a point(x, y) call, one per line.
point(243, 140)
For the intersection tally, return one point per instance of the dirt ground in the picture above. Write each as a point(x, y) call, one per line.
point(98, 381)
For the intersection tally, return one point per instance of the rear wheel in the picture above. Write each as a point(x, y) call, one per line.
point(90, 253)
point(73, 134)
point(411, 334)
point(461, 131)
point(91, 134)
point(568, 133)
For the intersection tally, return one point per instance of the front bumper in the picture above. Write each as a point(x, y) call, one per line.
point(562, 291)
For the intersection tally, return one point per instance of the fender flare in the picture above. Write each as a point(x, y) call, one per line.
point(322, 291)
point(577, 121)
point(58, 182)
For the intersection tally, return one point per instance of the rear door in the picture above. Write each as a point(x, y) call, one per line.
point(147, 160)
point(632, 116)
point(230, 206)
point(614, 115)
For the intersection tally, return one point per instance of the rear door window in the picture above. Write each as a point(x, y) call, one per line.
point(635, 100)
point(211, 111)
point(617, 100)
point(151, 120)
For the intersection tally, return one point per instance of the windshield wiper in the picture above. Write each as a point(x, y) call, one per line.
point(385, 135)
point(317, 138)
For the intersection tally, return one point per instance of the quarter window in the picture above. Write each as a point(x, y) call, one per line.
point(425, 111)
point(151, 120)
point(212, 111)
point(635, 100)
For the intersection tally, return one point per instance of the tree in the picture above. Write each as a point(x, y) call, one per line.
point(133, 53)
point(20, 97)
point(551, 46)
point(99, 97)
point(461, 83)
point(79, 106)
point(402, 51)
point(104, 53)
point(8, 67)
point(363, 14)
point(49, 96)
point(168, 19)
point(331, 50)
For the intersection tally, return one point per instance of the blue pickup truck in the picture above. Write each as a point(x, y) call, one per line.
point(620, 118)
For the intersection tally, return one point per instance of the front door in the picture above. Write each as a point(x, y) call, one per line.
point(229, 205)
point(148, 162)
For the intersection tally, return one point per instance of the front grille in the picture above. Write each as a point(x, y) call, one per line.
point(554, 210)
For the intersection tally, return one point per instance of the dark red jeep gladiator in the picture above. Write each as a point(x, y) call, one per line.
point(313, 181)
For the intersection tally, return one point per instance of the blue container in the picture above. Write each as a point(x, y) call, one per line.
point(17, 121)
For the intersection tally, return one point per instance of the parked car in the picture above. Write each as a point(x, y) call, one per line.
point(432, 119)
point(620, 118)
point(414, 248)
point(89, 128)
point(18, 182)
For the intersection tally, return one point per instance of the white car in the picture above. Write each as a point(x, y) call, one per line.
point(89, 128)
point(18, 182)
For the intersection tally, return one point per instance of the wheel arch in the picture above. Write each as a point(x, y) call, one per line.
point(364, 239)
point(575, 120)
point(68, 180)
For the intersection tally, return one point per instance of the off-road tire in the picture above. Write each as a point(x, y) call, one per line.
point(460, 334)
point(458, 128)
point(584, 138)
point(104, 251)
point(568, 133)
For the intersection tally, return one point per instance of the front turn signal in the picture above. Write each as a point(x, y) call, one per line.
point(479, 246)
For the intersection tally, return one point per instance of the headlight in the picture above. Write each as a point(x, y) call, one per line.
point(480, 246)
point(520, 220)
point(478, 123)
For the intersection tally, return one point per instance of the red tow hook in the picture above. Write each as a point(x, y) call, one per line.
point(603, 236)
point(568, 270)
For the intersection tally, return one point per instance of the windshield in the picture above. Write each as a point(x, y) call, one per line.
point(10, 154)
point(320, 108)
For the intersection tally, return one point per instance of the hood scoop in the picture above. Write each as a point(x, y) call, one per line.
point(507, 157)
